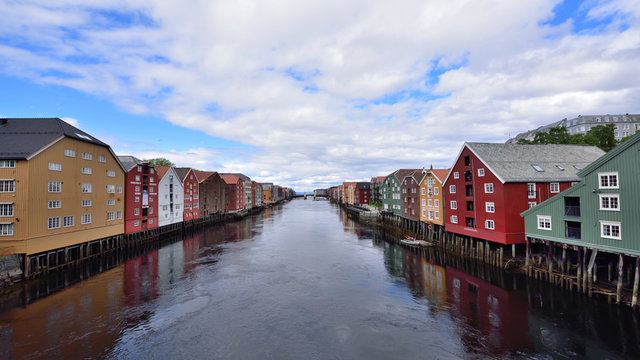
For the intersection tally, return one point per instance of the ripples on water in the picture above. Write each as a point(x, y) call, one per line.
point(302, 281)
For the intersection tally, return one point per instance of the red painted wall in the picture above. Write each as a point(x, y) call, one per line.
point(191, 196)
point(144, 222)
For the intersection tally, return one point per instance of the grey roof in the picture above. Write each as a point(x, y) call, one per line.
point(363, 185)
point(182, 172)
point(129, 162)
point(514, 162)
point(21, 137)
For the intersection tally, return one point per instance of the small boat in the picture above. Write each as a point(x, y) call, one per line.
point(410, 240)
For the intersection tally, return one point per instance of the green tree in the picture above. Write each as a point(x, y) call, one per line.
point(160, 162)
point(602, 136)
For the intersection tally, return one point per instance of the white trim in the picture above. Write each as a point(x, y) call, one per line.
point(609, 174)
point(543, 217)
point(45, 147)
point(551, 187)
point(616, 196)
point(611, 223)
point(479, 159)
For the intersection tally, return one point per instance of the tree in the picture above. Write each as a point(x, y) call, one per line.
point(601, 136)
point(160, 162)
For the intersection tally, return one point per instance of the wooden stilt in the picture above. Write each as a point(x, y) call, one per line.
point(564, 259)
point(592, 262)
point(584, 271)
point(636, 279)
point(513, 250)
point(620, 275)
point(579, 268)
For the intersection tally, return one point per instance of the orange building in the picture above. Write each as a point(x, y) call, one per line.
point(432, 196)
point(59, 187)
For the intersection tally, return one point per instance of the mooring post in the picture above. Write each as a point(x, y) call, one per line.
point(636, 279)
point(620, 274)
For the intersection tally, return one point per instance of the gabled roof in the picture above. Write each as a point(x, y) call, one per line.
point(182, 173)
point(162, 171)
point(22, 137)
point(440, 174)
point(230, 179)
point(610, 155)
point(363, 185)
point(203, 175)
point(377, 179)
point(534, 163)
point(243, 177)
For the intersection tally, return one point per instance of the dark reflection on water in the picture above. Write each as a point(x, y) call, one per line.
point(304, 281)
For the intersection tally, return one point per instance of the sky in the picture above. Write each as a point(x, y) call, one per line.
point(308, 94)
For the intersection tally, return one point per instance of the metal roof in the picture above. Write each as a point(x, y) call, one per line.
point(518, 162)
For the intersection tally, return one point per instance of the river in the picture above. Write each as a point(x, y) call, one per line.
point(302, 281)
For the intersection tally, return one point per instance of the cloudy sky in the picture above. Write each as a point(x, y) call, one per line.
point(311, 93)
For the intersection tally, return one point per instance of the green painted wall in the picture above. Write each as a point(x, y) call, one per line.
point(391, 199)
point(624, 160)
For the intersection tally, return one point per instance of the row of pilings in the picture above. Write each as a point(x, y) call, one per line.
point(54, 260)
point(614, 276)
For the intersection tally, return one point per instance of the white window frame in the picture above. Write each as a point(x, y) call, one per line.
point(545, 220)
point(531, 204)
point(554, 188)
point(54, 187)
point(7, 209)
point(481, 172)
point(111, 189)
point(136, 223)
point(86, 219)
point(436, 190)
point(102, 158)
point(429, 202)
point(86, 170)
point(6, 229)
point(7, 185)
point(86, 188)
point(456, 175)
point(119, 189)
point(111, 173)
point(70, 153)
point(609, 196)
point(111, 215)
point(86, 203)
point(119, 214)
point(87, 156)
point(610, 225)
point(54, 166)
point(489, 224)
point(453, 205)
point(53, 223)
point(54, 204)
point(454, 219)
point(66, 223)
point(452, 189)
point(608, 176)
point(136, 211)
point(490, 207)
point(488, 188)
point(7, 164)
point(111, 202)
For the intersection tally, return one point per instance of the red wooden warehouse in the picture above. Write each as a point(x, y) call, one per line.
point(140, 194)
point(191, 193)
point(491, 184)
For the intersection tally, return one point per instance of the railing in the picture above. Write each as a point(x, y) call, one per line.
point(572, 211)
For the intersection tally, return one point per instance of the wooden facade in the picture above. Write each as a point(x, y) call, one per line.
point(411, 194)
point(235, 192)
point(170, 196)
point(191, 186)
point(432, 205)
point(141, 195)
point(214, 193)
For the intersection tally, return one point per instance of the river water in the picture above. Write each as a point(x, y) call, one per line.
point(302, 281)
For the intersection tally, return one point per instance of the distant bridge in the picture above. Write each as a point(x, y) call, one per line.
point(310, 195)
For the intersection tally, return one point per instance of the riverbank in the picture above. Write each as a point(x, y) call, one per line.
point(18, 267)
point(566, 268)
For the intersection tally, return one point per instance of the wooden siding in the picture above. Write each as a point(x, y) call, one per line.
point(427, 194)
point(388, 191)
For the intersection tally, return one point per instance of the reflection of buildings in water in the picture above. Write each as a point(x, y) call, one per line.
point(491, 318)
point(170, 265)
point(52, 322)
point(426, 278)
point(140, 278)
point(191, 252)
point(393, 259)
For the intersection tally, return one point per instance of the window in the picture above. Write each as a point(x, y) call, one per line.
point(454, 219)
point(68, 221)
point(610, 230)
point(531, 190)
point(111, 215)
point(7, 186)
point(437, 214)
point(423, 191)
point(136, 223)
point(119, 214)
point(610, 202)
point(544, 222)
point(54, 204)
point(430, 216)
point(452, 189)
point(86, 203)
point(430, 203)
point(453, 205)
point(488, 188)
point(467, 161)
point(139, 168)
point(137, 189)
point(436, 190)
point(86, 188)
point(538, 168)
point(150, 221)
point(456, 175)
point(6, 210)
point(111, 189)
point(489, 207)
point(7, 163)
point(87, 170)
point(69, 153)
point(150, 210)
point(53, 223)
point(136, 199)
point(481, 172)
point(436, 202)
point(489, 224)
point(87, 156)
point(119, 189)
point(102, 159)
point(555, 188)
point(424, 202)
point(111, 173)
point(151, 189)
point(6, 229)
point(111, 202)
point(136, 211)
point(195, 205)
point(55, 186)
point(137, 177)
point(531, 204)
point(86, 219)
point(53, 166)
point(608, 180)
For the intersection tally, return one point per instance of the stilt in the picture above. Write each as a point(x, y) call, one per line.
point(513, 250)
point(634, 298)
point(584, 271)
point(620, 275)
point(528, 252)
point(549, 258)
point(579, 269)
point(564, 259)
point(592, 262)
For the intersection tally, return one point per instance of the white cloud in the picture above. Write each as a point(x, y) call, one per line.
point(300, 80)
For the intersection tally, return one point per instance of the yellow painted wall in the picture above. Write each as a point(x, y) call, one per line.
point(424, 199)
point(31, 234)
